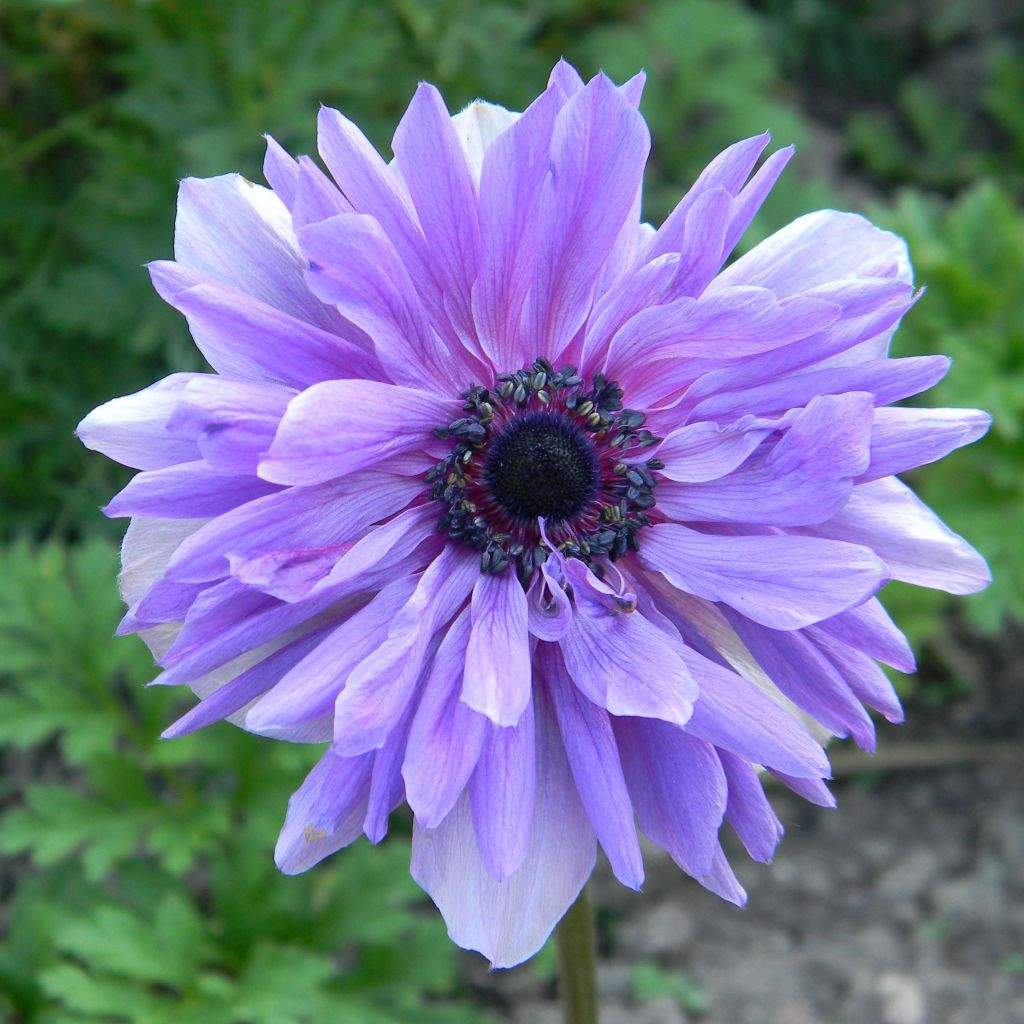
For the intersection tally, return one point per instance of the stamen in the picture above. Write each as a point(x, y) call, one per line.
point(541, 445)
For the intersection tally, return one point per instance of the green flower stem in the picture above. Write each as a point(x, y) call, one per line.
point(577, 983)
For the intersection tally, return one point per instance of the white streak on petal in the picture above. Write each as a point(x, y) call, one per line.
point(477, 126)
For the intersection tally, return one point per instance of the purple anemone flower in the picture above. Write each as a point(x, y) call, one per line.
point(551, 527)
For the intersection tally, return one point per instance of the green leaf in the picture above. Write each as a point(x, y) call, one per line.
point(651, 982)
point(165, 950)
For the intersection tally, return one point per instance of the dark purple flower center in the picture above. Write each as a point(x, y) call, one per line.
point(540, 445)
point(542, 464)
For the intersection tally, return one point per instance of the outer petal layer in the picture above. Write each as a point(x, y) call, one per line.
point(780, 581)
point(509, 920)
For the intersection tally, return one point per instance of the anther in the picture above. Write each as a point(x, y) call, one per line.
point(539, 444)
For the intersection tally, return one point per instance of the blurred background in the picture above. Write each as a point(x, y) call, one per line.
point(136, 875)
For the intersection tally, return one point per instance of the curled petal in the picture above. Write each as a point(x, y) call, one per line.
point(133, 430)
point(627, 666)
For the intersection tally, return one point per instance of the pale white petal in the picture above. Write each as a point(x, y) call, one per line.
point(477, 126)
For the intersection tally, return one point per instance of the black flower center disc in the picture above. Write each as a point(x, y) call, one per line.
point(542, 464)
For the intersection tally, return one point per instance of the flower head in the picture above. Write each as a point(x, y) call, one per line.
point(546, 523)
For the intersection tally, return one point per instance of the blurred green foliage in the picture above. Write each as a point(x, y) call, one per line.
point(927, 95)
point(137, 880)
